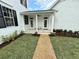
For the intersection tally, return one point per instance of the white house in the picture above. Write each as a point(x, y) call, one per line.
point(11, 18)
point(14, 15)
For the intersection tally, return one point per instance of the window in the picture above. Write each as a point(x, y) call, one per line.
point(26, 20)
point(24, 2)
point(8, 17)
point(2, 23)
point(9, 22)
point(45, 23)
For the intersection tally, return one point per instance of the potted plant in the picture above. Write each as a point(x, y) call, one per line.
point(36, 34)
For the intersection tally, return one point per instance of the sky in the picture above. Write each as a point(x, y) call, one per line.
point(40, 4)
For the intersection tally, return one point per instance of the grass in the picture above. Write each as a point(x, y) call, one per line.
point(22, 48)
point(66, 47)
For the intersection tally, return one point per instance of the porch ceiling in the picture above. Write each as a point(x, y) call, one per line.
point(37, 12)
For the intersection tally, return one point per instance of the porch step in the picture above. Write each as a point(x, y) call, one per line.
point(43, 33)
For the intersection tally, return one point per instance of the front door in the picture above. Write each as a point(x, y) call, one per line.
point(45, 22)
point(31, 23)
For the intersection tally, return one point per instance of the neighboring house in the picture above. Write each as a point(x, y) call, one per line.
point(14, 15)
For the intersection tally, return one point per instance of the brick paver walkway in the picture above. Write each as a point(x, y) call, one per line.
point(44, 49)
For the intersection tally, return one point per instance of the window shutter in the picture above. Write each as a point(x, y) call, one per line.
point(2, 22)
point(26, 3)
point(21, 1)
point(15, 18)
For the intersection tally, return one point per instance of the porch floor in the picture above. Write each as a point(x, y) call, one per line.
point(39, 31)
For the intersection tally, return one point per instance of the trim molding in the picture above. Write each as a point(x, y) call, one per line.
point(6, 3)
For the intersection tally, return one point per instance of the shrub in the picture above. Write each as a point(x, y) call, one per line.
point(14, 35)
point(77, 34)
point(52, 34)
point(74, 34)
point(54, 30)
point(36, 34)
point(11, 37)
point(6, 38)
point(65, 32)
point(59, 32)
point(69, 33)
point(22, 32)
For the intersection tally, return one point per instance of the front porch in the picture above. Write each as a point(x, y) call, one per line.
point(41, 31)
point(39, 21)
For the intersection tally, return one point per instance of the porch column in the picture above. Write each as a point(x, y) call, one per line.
point(36, 23)
point(52, 25)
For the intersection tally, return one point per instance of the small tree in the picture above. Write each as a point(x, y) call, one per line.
point(65, 32)
point(70, 33)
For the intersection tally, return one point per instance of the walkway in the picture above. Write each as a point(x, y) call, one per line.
point(44, 48)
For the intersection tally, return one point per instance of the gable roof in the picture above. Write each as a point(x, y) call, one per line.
point(44, 11)
point(54, 4)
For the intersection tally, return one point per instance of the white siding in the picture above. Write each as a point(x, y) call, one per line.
point(13, 4)
point(67, 16)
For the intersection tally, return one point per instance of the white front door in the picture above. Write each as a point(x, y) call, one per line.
point(31, 23)
point(45, 22)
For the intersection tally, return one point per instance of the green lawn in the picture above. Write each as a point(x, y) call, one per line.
point(66, 47)
point(22, 48)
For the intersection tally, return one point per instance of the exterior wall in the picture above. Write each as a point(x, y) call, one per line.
point(13, 4)
point(67, 16)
